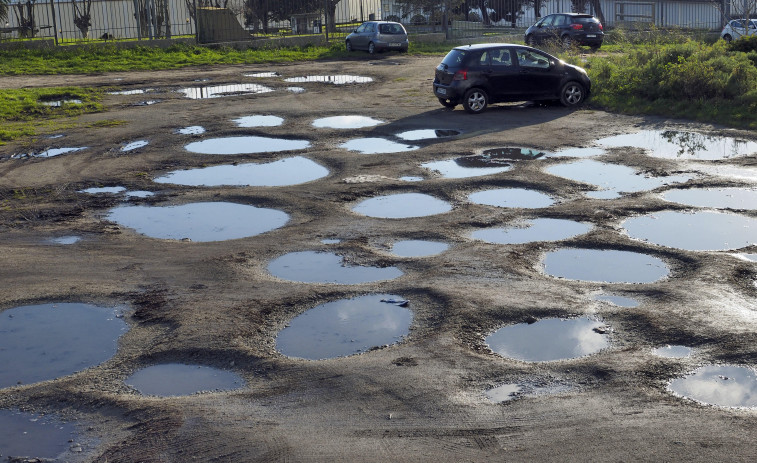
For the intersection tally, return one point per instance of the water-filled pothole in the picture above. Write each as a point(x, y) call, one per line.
point(604, 266)
point(722, 385)
point(339, 79)
point(511, 391)
point(47, 341)
point(697, 231)
point(258, 121)
point(427, 134)
point(52, 152)
point(289, 171)
point(672, 144)
point(134, 145)
point(217, 91)
point(511, 197)
point(402, 205)
point(673, 351)
point(136, 91)
point(612, 179)
point(208, 221)
point(60, 103)
point(326, 267)
point(462, 168)
point(549, 339)
point(296, 89)
point(579, 152)
point(717, 198)
point(65, 240)
point(139, 194)
point(34, 436)
point(418, 248)
point(175, 379)
point(346, 327)
point(533, 230)
point(111, 190)
point(503, 392)
point(346, 122)
point(191, 130)
point(620, 301)
point(511, 154)
point(245, 145)
point(376, 146)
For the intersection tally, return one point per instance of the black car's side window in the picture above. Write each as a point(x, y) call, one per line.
point(529, 59)
point(561, 20)
point(501, 58)
point(483, 60)
point(548, 21)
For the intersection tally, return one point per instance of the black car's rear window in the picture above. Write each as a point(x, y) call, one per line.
point(584, 20)
point(391, 29)
point(455, 58)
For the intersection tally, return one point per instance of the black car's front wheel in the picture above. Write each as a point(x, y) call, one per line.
point(348, 46)
point(475, 100)
point(447, 103)
point(572, 94)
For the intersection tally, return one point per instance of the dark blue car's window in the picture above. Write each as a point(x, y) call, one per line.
point(530, 59)
point(455, 58)
point(483, 60)
point(501, 57)
point(561, 20)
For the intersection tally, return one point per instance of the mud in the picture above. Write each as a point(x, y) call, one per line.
point(424, 399)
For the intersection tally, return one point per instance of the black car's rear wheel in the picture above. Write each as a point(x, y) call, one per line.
point(447, 103)
point(475, 100)
point(572, 94)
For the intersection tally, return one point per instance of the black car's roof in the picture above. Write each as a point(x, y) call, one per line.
point(481, 46)
point(575, 15)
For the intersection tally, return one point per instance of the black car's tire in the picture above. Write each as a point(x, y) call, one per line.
point(348, 46)
point(530, 40)
point(371, 48)
point(595, 46)
point(572, 94)
point(447, 103)
point(475, 101)
point(727, 38)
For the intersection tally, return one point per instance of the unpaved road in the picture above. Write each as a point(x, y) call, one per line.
point(422, 399)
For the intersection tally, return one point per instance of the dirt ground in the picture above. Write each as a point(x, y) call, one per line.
point(422, 399)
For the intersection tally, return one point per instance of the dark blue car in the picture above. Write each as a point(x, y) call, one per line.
point(567, 29)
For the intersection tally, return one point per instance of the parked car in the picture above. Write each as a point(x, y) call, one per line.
point(478, 75)
point(735, 29)
point(377, 36)
point(567, 29)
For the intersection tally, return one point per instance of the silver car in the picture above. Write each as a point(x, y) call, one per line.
point(377, 36)
point(735, 29)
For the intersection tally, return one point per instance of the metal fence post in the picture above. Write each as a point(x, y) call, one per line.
point(55, 21)
point(137, 18)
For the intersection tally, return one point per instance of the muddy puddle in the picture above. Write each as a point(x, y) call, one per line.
point(673, 351)
point(60, 103)
point(338, 79)
point(402, 206)
point(604, 266)
point(205, 221)
point(134, 145)
point(65, 240)
point(110, 190)
point(245, 145)
point(52, 152)
point(512, 197)
point(48, 341)
point(346, 122)
point(675, 144)
point(533, 230)
point(288, 171)
point(722, 385)
point(218, 91)
point(38, 437)
point(716, 198)
point(455, 168)
point(191, 130)
point(258, 121)
point(177, 379)
point(376, 146)
point(427, 134)
point(620, 301)
point(263, 74)
point(510, 154)
point(694, 231)
point(327, 267)
point(578, 152)
point(418, 248)
point(549, 339)
point(346, 327)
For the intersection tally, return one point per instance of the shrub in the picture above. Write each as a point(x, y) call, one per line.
point(744, 44)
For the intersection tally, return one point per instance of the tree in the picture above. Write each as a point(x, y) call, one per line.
point(598, 10)
point(25, 18)
point(82, 18)
point(259, 13)
point(4, 9)
point(731, 9)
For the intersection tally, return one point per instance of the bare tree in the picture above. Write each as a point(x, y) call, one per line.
point(736, 9)
point(82, 17)
point(3, 10)
point(25, 18)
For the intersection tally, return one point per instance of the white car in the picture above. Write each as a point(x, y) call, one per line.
point(735, 29)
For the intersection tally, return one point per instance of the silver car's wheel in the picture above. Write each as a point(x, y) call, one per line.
point(348, 45)
point(727, 37)
point(371, 48)
point(572, 94)
point(475, 100)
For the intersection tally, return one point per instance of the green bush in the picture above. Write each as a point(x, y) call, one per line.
point(744, 44)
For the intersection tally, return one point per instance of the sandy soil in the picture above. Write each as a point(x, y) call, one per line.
point(422, 399)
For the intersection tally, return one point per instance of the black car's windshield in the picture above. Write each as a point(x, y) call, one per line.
point(454, 58)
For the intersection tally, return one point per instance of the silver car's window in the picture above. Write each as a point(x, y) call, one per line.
point(391, 29)
point(530, 59)
point(361, 28)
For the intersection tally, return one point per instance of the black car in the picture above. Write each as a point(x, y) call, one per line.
point(567, 29)
point(477, 75)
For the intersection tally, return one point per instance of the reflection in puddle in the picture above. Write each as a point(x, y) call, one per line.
point(550, 339)
point(412, 179)
point(336, 79)
point(671, 144)
point(139, 194)
point(147, 103)
point(376, 146)
point(35, 436)
point(723, 385)
point(346, 122)
point(192, 130)
point(245, 145)
point(608, 266)
point(511, 197)
point(210, 221)
point(345, 327)
point(673, 352)
point(174, 379)
point(296, 89)
point(425, 134)
point(134, 145)
point(47, 341)
point(331, 241)
point(263, 74)
point(52, 152)
point(533, 230)
point(750, 257)
point(326, 267)
point(618, 300)
point(718, 198)
point(453, 168)
point(258, 121)
point(418, 248)
point(579, 152)
point(611, 178)
point(113, 190)
point(138, 91)
point(217, 91)
point(59, 103)
point(503, 393)
point(510, 154)
point(698, 231)
point(289, 171)
point(401, 206)
point(65, 240)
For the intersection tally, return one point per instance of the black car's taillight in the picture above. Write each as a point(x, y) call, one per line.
point(577, 26)
point(461, 75)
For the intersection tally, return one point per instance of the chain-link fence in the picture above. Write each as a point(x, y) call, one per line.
point(212, 21)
